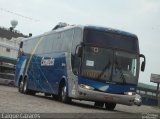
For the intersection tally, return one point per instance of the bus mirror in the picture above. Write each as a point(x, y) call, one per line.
point(80, 50)
point(143, 66)
point(143, 63)
point(21, 44)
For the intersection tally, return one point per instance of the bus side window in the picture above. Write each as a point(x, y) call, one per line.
point(56, 42)
point(47, 42)
point(75, 60)
point(66, 39)
point(77, 39)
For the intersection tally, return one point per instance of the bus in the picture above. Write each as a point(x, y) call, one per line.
point(91, 63)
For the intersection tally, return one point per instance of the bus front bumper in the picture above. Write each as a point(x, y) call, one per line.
point(91, 95)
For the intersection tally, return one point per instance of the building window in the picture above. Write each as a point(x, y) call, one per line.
point(8, 49)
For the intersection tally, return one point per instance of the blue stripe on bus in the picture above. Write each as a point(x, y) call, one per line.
point(44, 78)
point(107, 87)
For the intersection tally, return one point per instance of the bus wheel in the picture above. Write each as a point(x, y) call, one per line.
point(20, 87)
point(110, 106)
point(55, 97)
point(25, 90)
point(31, 92)
point(99, 104)
point(47, 94)
point(63, 96)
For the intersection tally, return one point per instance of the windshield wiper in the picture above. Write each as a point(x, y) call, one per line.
point(103, 71)
point(121, 72)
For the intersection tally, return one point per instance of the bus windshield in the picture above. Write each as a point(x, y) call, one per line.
point(125, 67)
point(108, 65)
point(97, 63)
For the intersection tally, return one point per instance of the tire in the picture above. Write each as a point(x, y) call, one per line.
point(99, 104)
point(31, 92)
point(47, 94)
point(110, 106)
point(25, 85)
point(20, 87)
point(139, 104)
point(55, 97)
point(63, 96)
point(25, 88)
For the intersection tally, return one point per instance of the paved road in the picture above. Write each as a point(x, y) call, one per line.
point(11, 101)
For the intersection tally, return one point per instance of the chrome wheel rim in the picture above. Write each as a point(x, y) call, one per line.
point(25, 86)
point(21, 86)
point(63, 93)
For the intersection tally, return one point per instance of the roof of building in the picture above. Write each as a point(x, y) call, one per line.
point(9, 34)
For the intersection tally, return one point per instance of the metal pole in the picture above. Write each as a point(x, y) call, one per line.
point(158, 96)
point(157, 91)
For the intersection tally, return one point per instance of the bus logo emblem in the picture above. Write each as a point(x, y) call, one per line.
point(47, 61)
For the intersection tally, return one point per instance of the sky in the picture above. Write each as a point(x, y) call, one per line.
point(141, 17)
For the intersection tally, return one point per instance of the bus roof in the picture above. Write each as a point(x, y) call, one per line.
point(98, 28)
point(52, 31)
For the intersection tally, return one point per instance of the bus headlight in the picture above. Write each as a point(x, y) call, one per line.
point(129, 93)
point(86, 87)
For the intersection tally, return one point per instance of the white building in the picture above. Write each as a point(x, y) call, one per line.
point(9, 48)
point(9, 45)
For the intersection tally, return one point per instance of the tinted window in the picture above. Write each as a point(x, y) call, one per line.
point(111, 40)
point(76, 39)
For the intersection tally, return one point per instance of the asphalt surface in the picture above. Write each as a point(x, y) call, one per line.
point(11, 101)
